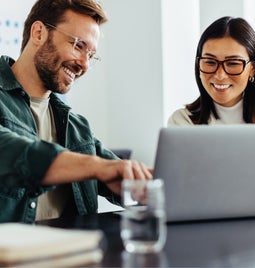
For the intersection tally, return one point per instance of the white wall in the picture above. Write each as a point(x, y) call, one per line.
point(248, 11)
point(212, 10)
point(12, 16)
point(180, 28)
point(123, 98)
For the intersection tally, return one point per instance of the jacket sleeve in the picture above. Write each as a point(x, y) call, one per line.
point(24, 161)
point(103, 190)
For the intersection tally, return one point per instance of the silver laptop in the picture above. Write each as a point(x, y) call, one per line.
point(209, 171)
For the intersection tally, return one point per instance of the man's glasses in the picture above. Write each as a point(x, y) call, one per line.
point(79, 47)
point(230, 66)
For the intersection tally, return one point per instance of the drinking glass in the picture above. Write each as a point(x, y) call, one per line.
point(143, 222)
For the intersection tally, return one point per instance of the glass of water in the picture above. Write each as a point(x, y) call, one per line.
point(143, 222)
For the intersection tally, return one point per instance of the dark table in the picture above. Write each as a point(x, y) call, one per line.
point(228, 243)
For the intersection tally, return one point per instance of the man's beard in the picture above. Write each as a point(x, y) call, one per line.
point(46, 59)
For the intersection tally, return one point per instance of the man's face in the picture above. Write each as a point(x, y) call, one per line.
point(57, 61)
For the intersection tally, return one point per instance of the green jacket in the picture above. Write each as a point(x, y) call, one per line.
point(24, 159)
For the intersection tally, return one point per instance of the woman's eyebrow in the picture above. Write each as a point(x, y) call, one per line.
point(227, 57)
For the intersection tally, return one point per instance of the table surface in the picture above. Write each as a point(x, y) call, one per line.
point(228, 243)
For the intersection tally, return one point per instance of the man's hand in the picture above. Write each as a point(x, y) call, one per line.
point(74, 167)
point(117, 170)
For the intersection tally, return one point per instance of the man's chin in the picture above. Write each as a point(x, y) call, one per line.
point(63, 89)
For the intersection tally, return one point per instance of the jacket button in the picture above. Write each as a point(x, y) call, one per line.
point(33, 205)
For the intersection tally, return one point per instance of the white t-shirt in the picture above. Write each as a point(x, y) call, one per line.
point(51, 203)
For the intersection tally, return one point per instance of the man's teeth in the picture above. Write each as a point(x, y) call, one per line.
point(71, 74)
point(221, 86)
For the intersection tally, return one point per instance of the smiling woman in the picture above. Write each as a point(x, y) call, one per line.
point(224, 71)
point(225, 82)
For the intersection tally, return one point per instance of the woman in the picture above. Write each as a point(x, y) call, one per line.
point(224, 71)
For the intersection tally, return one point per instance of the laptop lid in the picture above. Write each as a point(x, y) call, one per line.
point(209, 171)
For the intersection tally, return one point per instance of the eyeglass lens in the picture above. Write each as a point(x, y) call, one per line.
point(80, 49)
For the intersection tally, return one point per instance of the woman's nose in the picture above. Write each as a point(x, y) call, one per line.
point(220, 73)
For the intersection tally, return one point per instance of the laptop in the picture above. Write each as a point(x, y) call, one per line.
point(208, 171)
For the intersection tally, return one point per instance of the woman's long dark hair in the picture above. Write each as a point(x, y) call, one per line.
point(243, 33)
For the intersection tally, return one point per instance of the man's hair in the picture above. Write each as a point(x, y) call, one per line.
point(52, 12)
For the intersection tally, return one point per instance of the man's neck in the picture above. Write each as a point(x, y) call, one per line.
point(26, 74)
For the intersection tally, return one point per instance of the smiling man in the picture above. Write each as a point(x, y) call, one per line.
point(50, 162)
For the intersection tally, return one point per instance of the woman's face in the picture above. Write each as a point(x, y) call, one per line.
point(223, 88)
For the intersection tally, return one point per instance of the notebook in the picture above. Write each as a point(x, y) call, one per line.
point(24, 245)
point(208, 171)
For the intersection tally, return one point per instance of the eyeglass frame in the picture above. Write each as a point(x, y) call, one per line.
point(92, 56)
point(221, 62)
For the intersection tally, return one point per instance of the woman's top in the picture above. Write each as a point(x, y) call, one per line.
point(227, 115)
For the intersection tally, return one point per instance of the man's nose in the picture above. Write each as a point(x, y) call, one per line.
point(83, 62)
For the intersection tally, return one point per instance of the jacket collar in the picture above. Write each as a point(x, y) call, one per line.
point(8, 80)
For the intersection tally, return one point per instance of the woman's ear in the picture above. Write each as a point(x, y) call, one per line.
point(38, 33)
point(252, 72)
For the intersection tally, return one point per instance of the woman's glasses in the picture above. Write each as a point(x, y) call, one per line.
point(230, 66)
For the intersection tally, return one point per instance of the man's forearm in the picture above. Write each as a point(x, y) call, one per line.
point(70, 167)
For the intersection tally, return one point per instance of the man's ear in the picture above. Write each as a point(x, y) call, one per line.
point(38, 33)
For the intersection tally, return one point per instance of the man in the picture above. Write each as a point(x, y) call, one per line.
point(50, 162)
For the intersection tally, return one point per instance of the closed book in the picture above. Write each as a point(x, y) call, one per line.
point(41, 245)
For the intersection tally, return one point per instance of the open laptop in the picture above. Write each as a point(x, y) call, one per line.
point(208, 171)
